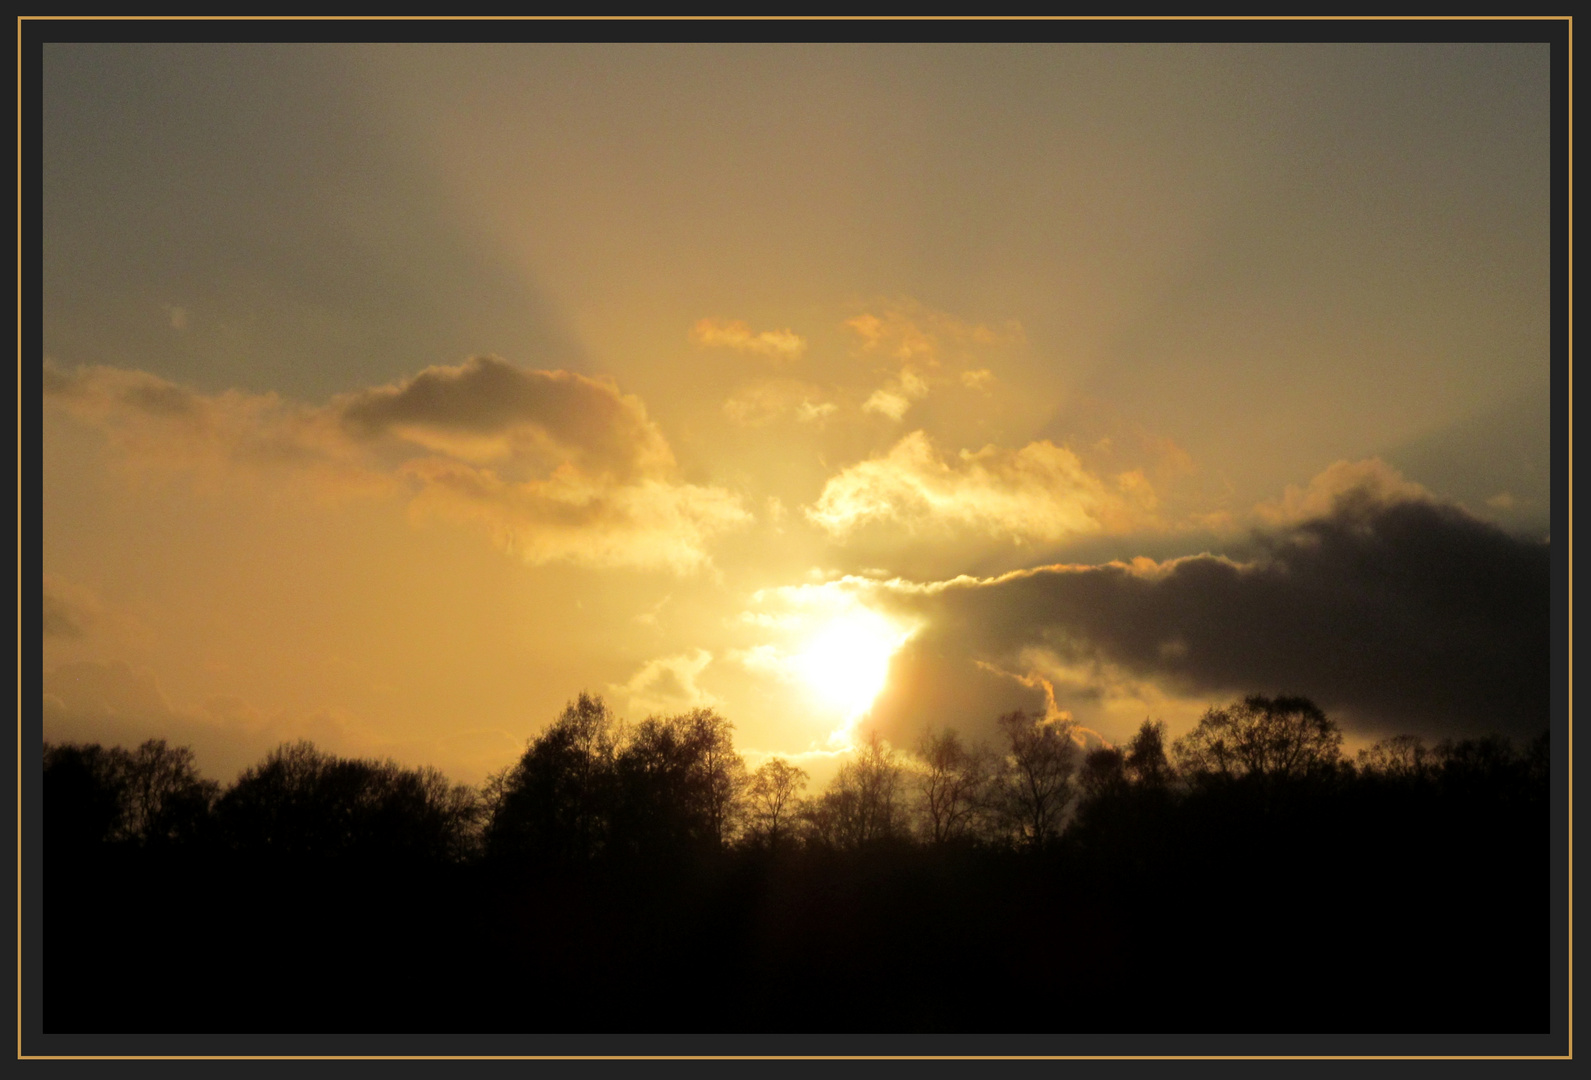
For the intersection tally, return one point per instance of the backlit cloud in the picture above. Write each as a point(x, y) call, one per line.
point(1040, 492)
point(924, 348)
point(555, 466)
point(488, 410)
point(733, 334)
point(1395, 612)
point(667, 685)
point(907, 331)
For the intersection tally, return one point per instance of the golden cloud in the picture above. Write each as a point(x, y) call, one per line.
point(1040, 492)
point(921, 343)
point(906, 331)
point(732, 334)
point(555, 465)
point(1343, 487)
point(667, 684)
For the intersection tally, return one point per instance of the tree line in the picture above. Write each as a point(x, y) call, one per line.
point(1247, 876)
point(592, 787)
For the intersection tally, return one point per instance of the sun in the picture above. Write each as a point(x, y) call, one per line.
point(845, 661)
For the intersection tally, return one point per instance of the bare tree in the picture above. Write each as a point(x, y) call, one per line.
point(952, 783)
point(773, 793)
point(1402, 757)
point(864, 804)
point(717, 771)
point(1036, 782)
point(167, 800)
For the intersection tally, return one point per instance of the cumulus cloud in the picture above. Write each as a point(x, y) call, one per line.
point(667, 685)
point(895, 398)
point(732, 334)
point(1040, 492)
point(1393, 611)
point(1342, 488)
point(489, 410)
point(554, 465)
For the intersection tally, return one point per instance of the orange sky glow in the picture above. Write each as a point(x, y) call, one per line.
point(395, 395)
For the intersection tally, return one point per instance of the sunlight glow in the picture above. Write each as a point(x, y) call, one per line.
point(844, 663)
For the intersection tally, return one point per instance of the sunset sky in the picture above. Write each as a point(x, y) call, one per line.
point(393, 395)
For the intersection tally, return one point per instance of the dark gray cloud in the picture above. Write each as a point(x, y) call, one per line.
point(604, 430)
point(1393, 613)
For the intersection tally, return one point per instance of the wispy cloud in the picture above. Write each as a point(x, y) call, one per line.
point(734, 334)
point(924, 348)
point(764, 402)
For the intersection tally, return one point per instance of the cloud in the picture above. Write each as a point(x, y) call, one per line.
point(920, 345)
point(554, 466)
point(907, 331)
point(489, 410)
point(733, 334)
point(1340, 489)
point(762, 403)
point(667, 685)
point(894, 399)
point(1040, 492)
point(649, 524)
point(154, 423)
point(1393, 611)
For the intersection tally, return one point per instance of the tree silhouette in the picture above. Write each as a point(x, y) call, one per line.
point(1400, 758)
point(1036, 781)
point(864, 803)
point(952, 785)
point(679, 784)
point(1146, 762)
point(85, 797)
point(1282, 738)
point(556, 804)
point(303, 804)
point(1104, 773)
point(167, 801)
point(717, 773)
point(772, 795)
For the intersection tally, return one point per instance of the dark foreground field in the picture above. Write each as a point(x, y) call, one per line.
point(1362, 912)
